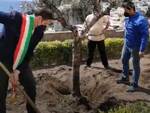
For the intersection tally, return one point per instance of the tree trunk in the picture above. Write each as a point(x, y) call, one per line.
point(76, 60)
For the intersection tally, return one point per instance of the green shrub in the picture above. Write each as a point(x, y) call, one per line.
point(138, 107)
point(52, 53)
point(114, 47)
point(57, 52)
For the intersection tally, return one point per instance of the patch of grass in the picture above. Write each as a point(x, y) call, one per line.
point(138, 107)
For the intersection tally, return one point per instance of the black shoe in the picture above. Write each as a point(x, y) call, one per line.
point(107, 67)
point(123, 80)
point(87, 66)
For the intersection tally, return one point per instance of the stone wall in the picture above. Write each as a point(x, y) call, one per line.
point(49, 36)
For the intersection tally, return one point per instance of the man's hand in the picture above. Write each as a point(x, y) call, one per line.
point(62, 21)
point(141, 54)
point(75, 31)
point(80, 33)
point(14, 77)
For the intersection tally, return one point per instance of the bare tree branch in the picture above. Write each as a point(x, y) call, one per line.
point(59, 15)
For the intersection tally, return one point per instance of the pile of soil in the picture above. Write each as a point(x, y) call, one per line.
point(98, 85)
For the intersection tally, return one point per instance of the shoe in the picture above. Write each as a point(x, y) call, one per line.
point(123, 80)
point(87, 66)
point(132, 88)
point(107, 67)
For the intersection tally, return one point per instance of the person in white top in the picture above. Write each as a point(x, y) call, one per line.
point(96, 36)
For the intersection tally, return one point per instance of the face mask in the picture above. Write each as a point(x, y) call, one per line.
point(126, 14)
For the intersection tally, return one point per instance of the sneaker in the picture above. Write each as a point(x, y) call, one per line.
point(132, 88)
point(123, 80)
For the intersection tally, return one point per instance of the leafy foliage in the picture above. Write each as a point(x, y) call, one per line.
point(57, 52)
point(138, 107)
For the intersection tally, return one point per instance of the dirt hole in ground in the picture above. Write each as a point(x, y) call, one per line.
point(108, 104)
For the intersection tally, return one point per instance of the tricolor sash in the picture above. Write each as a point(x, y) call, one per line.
point(27, 28)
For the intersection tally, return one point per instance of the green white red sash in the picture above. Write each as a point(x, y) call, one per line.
point(24, 39)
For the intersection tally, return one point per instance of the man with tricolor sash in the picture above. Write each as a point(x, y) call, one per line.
point(21, 35)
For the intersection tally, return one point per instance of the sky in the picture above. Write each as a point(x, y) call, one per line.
point(16, 0)
point(5, 6)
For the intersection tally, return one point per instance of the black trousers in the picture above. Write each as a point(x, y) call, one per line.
point(27, 81)
point(101, 48)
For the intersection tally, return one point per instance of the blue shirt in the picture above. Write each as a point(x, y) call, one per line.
point(136, 32)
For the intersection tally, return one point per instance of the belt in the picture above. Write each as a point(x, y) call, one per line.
point(95, 34)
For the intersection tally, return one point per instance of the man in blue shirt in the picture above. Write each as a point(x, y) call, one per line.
point(135, 41)
point(13, 23)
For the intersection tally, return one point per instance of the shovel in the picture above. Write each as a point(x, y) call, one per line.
point(20, 87)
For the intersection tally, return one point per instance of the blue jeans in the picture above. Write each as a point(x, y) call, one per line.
point(128, 53)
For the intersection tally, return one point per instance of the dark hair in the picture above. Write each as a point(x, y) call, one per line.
point(128, 4)
point(107, 11)
point(95, 9)
point(45, 13)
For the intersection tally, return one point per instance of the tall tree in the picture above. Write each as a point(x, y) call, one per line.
point(76, 43)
